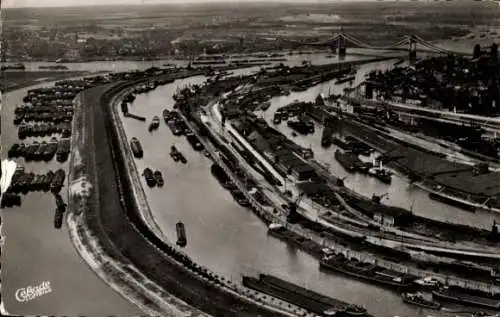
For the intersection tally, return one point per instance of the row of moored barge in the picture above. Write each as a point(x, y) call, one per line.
point(23, 182)
point(41, 151)
point(44, 129)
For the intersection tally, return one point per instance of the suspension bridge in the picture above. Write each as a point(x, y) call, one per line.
point(411, 43)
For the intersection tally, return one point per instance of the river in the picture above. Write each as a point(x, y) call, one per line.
point(35, 252)
point(225, 237)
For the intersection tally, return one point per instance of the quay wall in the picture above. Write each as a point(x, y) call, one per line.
point(158, 261)
point(268, 217)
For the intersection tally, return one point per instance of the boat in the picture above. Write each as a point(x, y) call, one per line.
point(149, 176)
point(159, 178)
point(155, 123)
point(418, 300)
point(302, 297)
point(194, 141)
point(381, 174)
point(347, 160)
point(58, 218)
point(166, 115)
point(54, 67)
point(366, 271)
point(221, 176)
point(462, 297)
point(57, 181)
point(265, 105)
point(181, 234)
point(136, 148)
point(182, 158)
point(452, 202)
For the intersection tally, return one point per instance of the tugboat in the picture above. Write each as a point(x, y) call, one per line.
point(149, 176)
point(419, 300)
point(381, 174)
point(154, 124)
point(159, 178)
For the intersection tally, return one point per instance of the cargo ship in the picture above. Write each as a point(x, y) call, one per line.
point(419, 300)
point(464, 298)
point(181, 234)
point(149, 176)
point(366, 271)
point(302, 297)
point(155, 123)
point(452, 202)
point(136, 147)
point(159, 178)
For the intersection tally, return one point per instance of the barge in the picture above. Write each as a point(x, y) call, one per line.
point(349, 161)
point(136, 147)
point(155, 123)
point(464, 298)
point(63, 148)
point(194, 141)
point(302, 297)
point(58, 217)
point(419, 300)
point(221, 176)
point(181, 234)
point(149, 176)
point(57, 181)
point(159, 178)
point(452, 202)
point(365, 271)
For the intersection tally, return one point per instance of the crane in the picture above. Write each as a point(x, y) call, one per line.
point(292, 209)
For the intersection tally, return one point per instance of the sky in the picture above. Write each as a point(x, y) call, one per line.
point(50, 3)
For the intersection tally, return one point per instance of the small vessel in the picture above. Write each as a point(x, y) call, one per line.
point(381, 174)
point(155, 123)
point(452, 202)
point(175, 154)
point(149, 176)
point(181, 234)
point(159, 178)
point(136, 148)
point(166, 115)
point(58, 217)
point(419, 300)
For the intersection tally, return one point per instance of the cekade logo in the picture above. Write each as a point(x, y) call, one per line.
point(31, 292)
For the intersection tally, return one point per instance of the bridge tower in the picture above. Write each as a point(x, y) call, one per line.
point(412, 49)
point(341, 45)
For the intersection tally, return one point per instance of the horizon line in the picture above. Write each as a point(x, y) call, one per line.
point(211, 2)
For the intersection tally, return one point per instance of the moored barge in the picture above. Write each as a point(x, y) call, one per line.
point(149, 176)
point(366, 271)
point(302, 297)
point(461, 297)
point(136, 147)
point(418, 300)
point(181, 234)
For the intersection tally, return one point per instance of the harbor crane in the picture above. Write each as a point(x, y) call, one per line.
point(293, 216)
